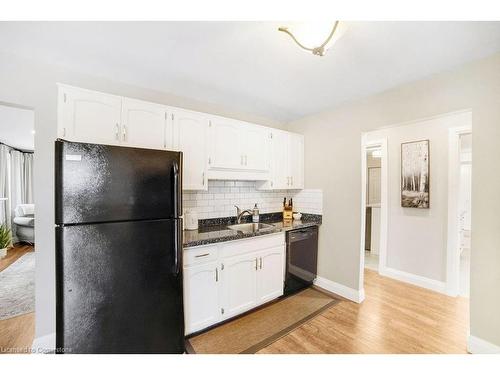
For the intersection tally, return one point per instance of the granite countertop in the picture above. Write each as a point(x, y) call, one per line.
point(218, 232)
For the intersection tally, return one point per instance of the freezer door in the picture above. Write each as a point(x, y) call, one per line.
point(102, 183)
point(119, 288)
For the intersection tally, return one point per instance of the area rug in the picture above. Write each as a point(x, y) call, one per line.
point(17, 287)
point(258, 329)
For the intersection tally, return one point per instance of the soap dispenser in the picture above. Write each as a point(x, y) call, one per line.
point(255, 214)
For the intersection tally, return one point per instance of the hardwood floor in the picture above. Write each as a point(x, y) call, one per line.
point(394, 318)
point(16, 334)
point(14, 254)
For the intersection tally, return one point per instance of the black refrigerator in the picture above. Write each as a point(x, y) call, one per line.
point(118, 249)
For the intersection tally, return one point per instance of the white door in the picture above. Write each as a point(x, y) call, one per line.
point(239, 284)
point(280, 168)
point(201, 296)
point(144, 124)
point(270, 274)
point(225, 148)
point(296, 160)
point(190, 137)
point(89, 116)
point(255, 143)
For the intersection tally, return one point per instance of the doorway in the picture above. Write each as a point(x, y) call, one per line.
point(459, 211)
point(372, 213)
point(464, 207)
point(374, 201)
point(17, 227)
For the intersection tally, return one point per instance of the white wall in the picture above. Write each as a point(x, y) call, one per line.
point(417, 238)
point(33, 85)
point(333, 163)
point(16, 127)
point(221, 197)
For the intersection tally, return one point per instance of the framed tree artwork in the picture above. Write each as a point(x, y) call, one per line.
point(415, 179)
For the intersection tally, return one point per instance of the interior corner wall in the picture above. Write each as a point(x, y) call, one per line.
point(417, 238)
point(33, 85)
point(333, 163)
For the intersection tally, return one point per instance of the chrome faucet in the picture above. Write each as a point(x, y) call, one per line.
point(240, 213)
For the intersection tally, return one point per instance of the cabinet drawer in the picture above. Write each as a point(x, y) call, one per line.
point(199, 255)
point(251, 244)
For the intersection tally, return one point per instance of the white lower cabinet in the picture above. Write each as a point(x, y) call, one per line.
point(201, 296)
point(270, 274)
point(224, 280)
point(239, 285)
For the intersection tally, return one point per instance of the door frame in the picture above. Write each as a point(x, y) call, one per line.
point(384, 202)
point(453, 238)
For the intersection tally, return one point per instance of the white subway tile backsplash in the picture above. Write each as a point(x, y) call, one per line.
point(222, 196)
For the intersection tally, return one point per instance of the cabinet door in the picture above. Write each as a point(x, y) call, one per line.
point(190, 137)
point(225, 148)
point(296, 160)
point(255, 147)
point(239, 284)
point(270, 274)
point(89, 116)
point(280, 165)
point(201, 296)
point(144, 124)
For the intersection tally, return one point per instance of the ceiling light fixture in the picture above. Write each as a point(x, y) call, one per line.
point(309, 35)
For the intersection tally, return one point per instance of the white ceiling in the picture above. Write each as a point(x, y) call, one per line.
point(250, 66)
point(16, 127)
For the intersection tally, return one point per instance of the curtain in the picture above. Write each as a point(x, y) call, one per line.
point(16, 183)
point(21, 175)
point(28, 178)
point(5, 212)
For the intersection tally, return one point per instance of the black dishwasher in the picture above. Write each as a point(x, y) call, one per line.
point(301, 258)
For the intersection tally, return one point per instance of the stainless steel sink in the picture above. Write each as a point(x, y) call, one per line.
point(251, 227)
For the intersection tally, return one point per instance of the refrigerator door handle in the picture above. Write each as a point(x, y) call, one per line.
point(177, 191)
point(177, 246)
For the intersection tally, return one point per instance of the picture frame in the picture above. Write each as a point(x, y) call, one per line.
point(415, 174)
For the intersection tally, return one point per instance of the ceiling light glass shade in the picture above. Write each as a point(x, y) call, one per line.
point(315, 37)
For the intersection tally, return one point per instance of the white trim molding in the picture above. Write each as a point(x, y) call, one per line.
point(475, 345)
point(384, 200)
point(354, 295)
point(44, 344)
point(453, 237)
point(410, 278)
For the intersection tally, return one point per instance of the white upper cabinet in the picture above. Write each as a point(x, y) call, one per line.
point(238, 150)
point(225, 144)
point(191, 137)
point(254, 143)
point(296, 160)
point(89, 116)
point(214, 147)
point(287, 161)
point(279, 165)
point(145, 124)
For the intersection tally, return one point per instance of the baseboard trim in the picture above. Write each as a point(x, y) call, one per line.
point(344, 291)
point(410, 278)
point(44, 344)
point(475, 345)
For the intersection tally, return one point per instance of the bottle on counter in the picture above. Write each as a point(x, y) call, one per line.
point(255, 214)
